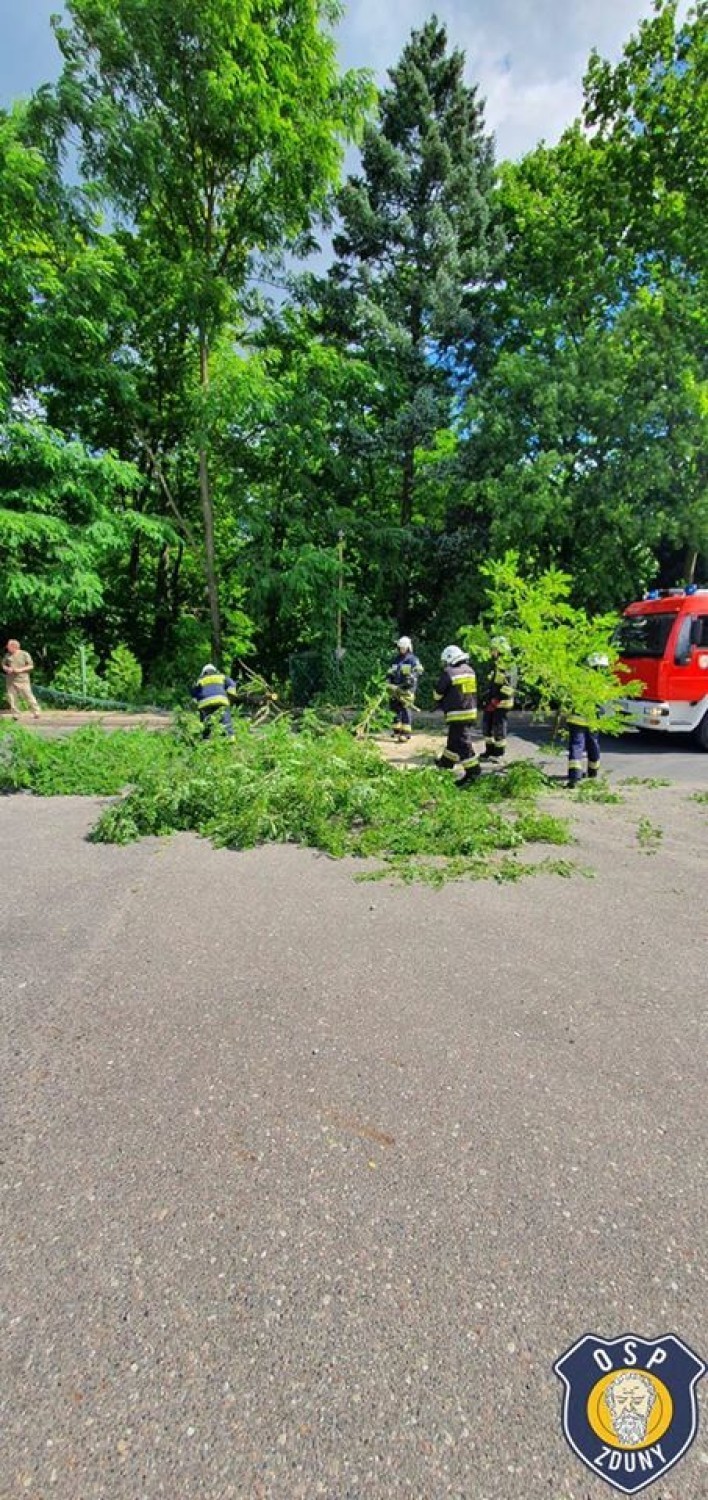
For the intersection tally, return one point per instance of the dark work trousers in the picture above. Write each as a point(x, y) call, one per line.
point(494, 731)
point(209, 717)
point(582, 741)
point(460, 748)
point(403, 716)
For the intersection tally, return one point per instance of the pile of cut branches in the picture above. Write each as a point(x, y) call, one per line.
point(306, 783)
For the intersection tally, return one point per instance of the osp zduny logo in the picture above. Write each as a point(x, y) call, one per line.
point(630, 1408)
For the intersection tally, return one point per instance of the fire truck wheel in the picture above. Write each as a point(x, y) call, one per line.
point(702, 733)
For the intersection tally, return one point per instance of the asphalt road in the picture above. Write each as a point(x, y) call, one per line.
point(307, 1183)
point(675, 757)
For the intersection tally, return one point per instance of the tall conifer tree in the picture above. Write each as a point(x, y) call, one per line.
point(417, 248)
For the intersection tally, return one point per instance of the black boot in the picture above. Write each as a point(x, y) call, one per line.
point(472, 773)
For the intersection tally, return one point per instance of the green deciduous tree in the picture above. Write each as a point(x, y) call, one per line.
point(39, 222)
point(587, 442)
point(63, 514)
point(289, 483)
point(552, 642)
point(650, 115)
point(215, 128)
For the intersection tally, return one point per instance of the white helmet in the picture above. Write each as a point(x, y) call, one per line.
point(598, 659)
point(405, 643)
point(500, 643)
point(452, 656)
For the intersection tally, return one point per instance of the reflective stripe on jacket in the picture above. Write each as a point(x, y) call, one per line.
point(455, 693)
point(212, 690)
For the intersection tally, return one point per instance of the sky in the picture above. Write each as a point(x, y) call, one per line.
point(527, 56)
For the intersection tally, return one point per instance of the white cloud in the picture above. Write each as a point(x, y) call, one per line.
point(528, 56)
point(528, 59)
point(520, 114)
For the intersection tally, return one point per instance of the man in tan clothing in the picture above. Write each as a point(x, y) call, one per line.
point(17, 665)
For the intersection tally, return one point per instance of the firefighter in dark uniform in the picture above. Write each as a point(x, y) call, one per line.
point(403, 675)
point(583, 738)
point(214, 692)
point(455, 693)
point(499, 699)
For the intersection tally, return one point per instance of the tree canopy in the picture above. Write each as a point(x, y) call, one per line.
point(499, 356)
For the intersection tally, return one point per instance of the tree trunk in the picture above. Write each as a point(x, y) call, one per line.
point(273, 631)
point(208, 513)
point(690, 563)
point(161, 618)
point(174, 584)
point(405, 517)
point(134, 562)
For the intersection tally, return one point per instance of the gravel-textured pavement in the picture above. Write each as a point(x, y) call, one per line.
point(306, 1182)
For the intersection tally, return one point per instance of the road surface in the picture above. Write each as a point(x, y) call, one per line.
point(307, 1182)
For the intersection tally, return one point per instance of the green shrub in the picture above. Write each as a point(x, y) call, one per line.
point(123, 675)
point(80, 678)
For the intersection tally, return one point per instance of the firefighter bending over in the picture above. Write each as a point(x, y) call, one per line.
point(213, 693)
point(403, 675)
point(455, 694)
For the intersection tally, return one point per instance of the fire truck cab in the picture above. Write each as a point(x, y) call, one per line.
point(663, 642)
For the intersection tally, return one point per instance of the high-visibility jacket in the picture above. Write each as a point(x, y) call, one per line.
point(498, 685)
point(404, 672)
point(213, 690)
point(456, 693)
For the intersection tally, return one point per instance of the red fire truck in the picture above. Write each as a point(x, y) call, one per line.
point(663, 641)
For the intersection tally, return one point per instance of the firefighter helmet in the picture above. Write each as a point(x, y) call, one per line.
point(500, 643)
point(598, 659)
point(452, 656)
point(405, 643)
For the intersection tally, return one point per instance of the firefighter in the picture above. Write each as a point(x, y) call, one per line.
point(214, 692)
point(403, 675)
point(499, 699)
point(455, 694)
point(583, 738)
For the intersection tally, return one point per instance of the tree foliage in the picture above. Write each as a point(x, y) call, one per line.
point(554, 644)
point(216, 128)
point(498, 360)
point(416, 248)
point(60, 524)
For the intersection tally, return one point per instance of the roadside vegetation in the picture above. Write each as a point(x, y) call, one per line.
point(306, 783)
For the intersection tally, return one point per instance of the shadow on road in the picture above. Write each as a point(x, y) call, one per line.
point(632, 742)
